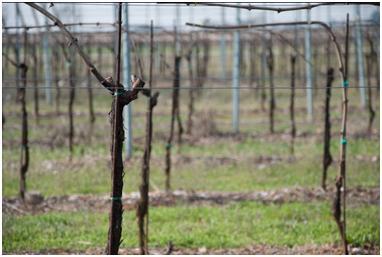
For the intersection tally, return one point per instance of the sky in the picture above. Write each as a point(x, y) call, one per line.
point(165, 14)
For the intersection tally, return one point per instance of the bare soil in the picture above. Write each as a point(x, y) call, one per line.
point(37, 204)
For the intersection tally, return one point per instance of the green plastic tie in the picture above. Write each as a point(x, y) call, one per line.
point(168, 146)
point(346, 83)
point(344, 141)
point(115, 198)
point(116, 93)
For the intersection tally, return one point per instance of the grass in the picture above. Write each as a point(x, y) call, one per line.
point(52, 174)
point(233, 225)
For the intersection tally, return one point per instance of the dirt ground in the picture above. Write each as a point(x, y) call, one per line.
point(251, 250)
point(37, 204)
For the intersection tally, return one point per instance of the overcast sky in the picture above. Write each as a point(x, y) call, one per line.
point(164, 15)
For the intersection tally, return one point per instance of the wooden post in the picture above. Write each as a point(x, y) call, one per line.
point(369, 94)
point(143, 204)
point(252, 64)
point(47, 65)
point(373, 63)
point(177, 107)
point(115, 218)
point(72, 94)
point(69, 58)
point(56, 69)
point(90, 94)
point(243, 65)
point(315, 67)
point(339, 210)
point(175, 99)
point(120, 100)
point(191, 90)
point(24, 160)
point(291, 108)
point(17, 46)
point(272, 103)
point(199, 80)
point(327, 157)
point(263, 66)
point(35, 81)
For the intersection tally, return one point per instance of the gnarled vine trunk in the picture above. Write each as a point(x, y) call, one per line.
point(174, 107)
point(191, 93)
point(272, 103)
point(327, 157)
point(24, 159)
point(56, 78)
point(291, 107)
point(72, 94)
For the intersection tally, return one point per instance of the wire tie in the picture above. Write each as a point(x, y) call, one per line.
point(115, 198)
point(168, 146)
point(118, 93)
point(344, 141)
point(346, 83)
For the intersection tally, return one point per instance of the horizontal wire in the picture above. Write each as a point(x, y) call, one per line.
point(112, 25)
point(83, 80)
point(196, 88)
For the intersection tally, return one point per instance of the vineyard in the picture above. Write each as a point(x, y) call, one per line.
point(253, 132)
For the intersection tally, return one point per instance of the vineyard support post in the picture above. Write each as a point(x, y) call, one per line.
point(17, 48)
point(263, 66)
point(127, 111)
point(360, 62)
point(369, 68)
point(341, 178)
point(191, 90)
point(90, 96)
point(327, 157)
point(143, 203)
point(47, 67)
point(236, 77)
point(56, 69)
point(174, 105)
point(177, 25)
point(121, 98)
point(223, 49)
point(24, 160)
point(35, 82)
point(308, 67)
point(291, 106)
point(272, 102)
point(158, 44)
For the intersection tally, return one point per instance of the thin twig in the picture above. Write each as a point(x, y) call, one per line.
point(250, 7)
point(74, 41)
point(38, 26)
point(252, 26)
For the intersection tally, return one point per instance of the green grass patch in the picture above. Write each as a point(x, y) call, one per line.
point(233, 225)
point(52, 174)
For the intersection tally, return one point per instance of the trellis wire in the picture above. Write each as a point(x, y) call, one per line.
point(205, 88)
